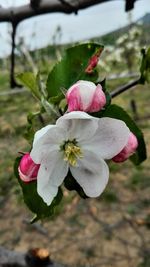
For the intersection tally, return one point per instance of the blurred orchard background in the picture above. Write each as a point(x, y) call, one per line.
point(112, 230)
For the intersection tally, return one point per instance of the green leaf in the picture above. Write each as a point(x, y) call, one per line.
point(71, 184)
point(63, 105)
point(33, 200)
point(114, 111)
point(30, 81)
point(73, 67)
point(29, 134)
point(56, 99)
point(51, 110)
point(145, 66)
point(103, 84)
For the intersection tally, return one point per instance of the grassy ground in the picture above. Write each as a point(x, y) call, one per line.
point(111, 231)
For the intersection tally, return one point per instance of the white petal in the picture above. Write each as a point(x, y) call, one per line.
point(50, 176)
point(86, 91)
point(41, 132)
point(110, 138)
point(92, 174)
point(41, 152)
point(51, 134)
point(47, 140)
point(56, 167)
point(87, 83)
point(74, 115)
point(47, 193)
point(79, 125)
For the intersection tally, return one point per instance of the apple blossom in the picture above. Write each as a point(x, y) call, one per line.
point(85, 96)
point(128, 150)
point(27, 169)
point(80, 143)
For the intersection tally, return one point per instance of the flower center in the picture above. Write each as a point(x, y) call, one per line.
point(72, 152)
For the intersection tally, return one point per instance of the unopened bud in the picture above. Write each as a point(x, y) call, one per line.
point(85, 96)
point(128, 150)
point(27, 169)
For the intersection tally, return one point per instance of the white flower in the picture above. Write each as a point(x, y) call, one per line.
point(78, 142)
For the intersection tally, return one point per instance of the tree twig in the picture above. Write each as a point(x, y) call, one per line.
point(124, 88)
point(17, 14)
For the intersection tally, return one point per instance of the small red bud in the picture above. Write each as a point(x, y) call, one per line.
point(27, 169)
point(128, 150)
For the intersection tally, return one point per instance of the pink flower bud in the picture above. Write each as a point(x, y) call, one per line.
point(27, 169)
point(128, 150)
point(85, 96)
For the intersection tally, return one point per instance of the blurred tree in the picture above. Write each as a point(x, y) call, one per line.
point(15, 15)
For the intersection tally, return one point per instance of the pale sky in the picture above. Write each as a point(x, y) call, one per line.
point(91, 22)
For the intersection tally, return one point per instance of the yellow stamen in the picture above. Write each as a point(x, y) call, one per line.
point(71, 153)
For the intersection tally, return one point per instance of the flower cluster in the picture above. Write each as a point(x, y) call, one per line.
point(78, 142)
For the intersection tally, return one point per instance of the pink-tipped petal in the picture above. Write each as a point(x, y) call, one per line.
point(128, 150)
point(98, 101)
point(27, 169)
point(74, 99)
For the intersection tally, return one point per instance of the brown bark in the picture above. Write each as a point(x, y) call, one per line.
point(17, 14)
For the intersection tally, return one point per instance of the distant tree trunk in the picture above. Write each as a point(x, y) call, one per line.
point(13, 83)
